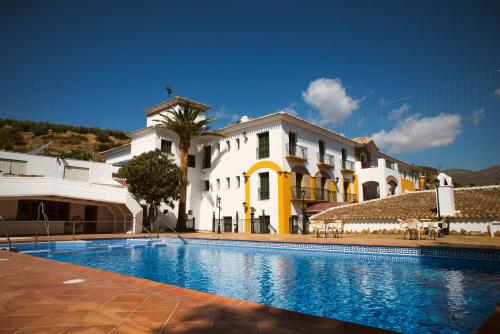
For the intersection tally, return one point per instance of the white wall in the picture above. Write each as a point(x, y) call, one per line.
point(52, 167)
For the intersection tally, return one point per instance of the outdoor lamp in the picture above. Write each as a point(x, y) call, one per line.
point(436, 183)
point(245, 206)
point(337, 179)
point(303, 193)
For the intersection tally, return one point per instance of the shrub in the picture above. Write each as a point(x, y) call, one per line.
point(77, 154)
point(6, 139)
point(74, 139)
point(102, 136)
point(40, 129)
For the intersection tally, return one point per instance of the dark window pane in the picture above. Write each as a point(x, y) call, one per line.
point(166, 146)
point(263, 145)
point(207, 156)
point(264, 186)
point(191, 161)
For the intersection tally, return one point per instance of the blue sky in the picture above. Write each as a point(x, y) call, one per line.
point(339, 63)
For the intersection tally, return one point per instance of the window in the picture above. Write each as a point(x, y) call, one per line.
point(264, 186)
point(237, 143)
point(228, 183)
point(217, 184)
point(292, 143)
point(238, 184)
point(166, 146)
point(16, 167)
point(263, 149)
point(28, 210)
point(76, 174)
point(228, 145)
point(321, 151)
point(206, 185)
point(207, 156)
point(191, 161)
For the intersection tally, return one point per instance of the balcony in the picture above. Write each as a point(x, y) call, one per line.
point(313, 194)
point(350, 198)
point(325, 161)
point(296, 152)
point(347, 166)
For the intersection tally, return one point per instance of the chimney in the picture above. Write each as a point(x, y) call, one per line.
point(445, 196)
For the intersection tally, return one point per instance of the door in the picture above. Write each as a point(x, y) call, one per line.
point(228, 220)
point(265, 221)
point(346, 191)
point(90, 225)
point(292, 143)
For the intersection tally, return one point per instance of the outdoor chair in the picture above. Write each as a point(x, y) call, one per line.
point(404, 228)
point(318, 227)
point(414, 228)
point(338, 229)
point(435, 230)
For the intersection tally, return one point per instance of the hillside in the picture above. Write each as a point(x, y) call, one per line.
point(464, 177)
point(66, 141)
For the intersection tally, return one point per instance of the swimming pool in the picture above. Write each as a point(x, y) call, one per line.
point(411, 294)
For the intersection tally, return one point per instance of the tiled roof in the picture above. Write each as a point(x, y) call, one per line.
point(470, 203)
point(173, 101)
point(362, 140)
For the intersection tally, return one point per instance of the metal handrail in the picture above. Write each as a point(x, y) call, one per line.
point(6, 231)
point(295, 150)
point(41, 209)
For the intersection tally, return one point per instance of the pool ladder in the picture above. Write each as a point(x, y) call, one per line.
point(6, 231)
point(41, 212)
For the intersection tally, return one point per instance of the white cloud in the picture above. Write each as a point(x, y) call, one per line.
point(329, 97)
point(417, 133)
point(396, 114)
point(497, 93)
point(222, 113)
point(477, 116)
point(290, 109)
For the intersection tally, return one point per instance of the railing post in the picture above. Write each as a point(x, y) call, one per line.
point(194, 223)
point(252, 228)
point(236, 226)
point(213, 221)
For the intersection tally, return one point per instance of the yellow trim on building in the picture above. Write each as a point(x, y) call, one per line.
point(355, 191)
point(284, 195)
point(406, 185)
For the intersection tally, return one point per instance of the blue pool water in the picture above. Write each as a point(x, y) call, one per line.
point(402, 293)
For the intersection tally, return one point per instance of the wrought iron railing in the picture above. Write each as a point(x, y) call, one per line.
point(263, 194)
point(262, 154)
point(348, 165)
point(295, 150)
point(311, 194)
point(326, 159)
point(351, 198)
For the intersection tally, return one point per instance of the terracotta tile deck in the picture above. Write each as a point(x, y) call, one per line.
point(33, 299)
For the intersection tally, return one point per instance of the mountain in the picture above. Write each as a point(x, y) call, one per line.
point(484, 177)
point(58, 140)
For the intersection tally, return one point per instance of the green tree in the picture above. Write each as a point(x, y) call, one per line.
point(154, 178)
point(185, 124)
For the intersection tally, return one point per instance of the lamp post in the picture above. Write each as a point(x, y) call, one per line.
point(436, 183)
point(218, 200)
point(303, 193)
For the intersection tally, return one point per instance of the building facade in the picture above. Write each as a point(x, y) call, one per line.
point(272, 167)
point(77, 196)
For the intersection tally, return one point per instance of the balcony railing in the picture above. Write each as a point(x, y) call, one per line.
point(326, 159)
point(390, 165)
point(296, 151)
point(263, 194)
point(262, 154)
point(348, 165)
point(313, 194)
point(351, 198)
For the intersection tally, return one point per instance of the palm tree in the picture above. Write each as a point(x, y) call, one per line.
point(184, 123)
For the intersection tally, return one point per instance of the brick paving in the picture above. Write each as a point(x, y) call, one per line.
point(34, 299)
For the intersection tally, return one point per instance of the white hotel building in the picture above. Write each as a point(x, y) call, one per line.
point(269, 165)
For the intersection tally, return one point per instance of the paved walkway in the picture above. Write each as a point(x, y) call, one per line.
point(34, 299)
